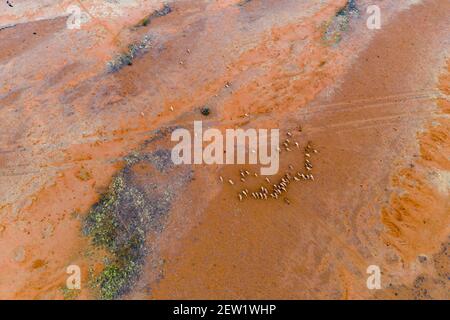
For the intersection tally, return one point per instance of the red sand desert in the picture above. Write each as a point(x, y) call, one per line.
point(85, 171)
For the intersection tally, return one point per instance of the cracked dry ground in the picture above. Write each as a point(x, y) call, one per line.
point(85, 176)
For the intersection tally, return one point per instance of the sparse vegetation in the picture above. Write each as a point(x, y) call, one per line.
point(120, 221)
point(118, 232)
point(156, 14)
point(126, 58)
point(164, 11)
point(69, 294)
point(205, 111)
point(243, 2)
point(333, 29)
point(145, 21)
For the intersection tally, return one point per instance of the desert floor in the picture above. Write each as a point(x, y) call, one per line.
point(86, 177)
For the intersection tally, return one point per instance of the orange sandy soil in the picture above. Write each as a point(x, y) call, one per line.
point(375, 105)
